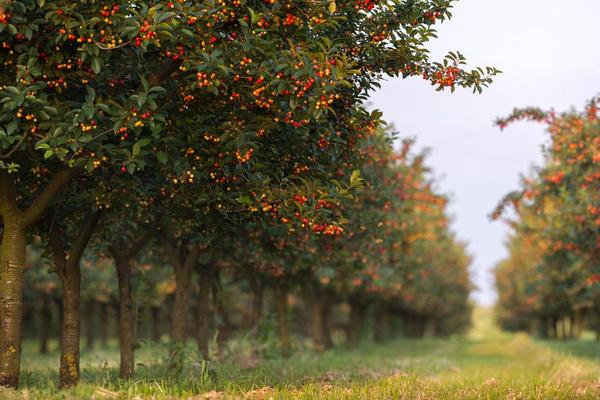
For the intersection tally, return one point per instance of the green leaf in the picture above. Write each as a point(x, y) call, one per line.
point(96, 67)
point(161, 157)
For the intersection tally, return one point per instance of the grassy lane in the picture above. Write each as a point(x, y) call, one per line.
point(488, 364)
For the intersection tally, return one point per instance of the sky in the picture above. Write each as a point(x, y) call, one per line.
point(548, 52)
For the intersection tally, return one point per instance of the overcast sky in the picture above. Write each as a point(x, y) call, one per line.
point(548, 51)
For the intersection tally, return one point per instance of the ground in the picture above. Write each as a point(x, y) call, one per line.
point(486, 364)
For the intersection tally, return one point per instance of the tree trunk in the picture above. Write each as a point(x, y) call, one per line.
point(328, 338)
point(90, 328)
point(563, 330)
point(69, 357)
point(553, 327)
point(318, 305)
point(543, 327)
point(155, 314)
point(257, 302)
point(103, 326)
point(182, 303)
point(429, 327)
point(381, 325)
point(281, 306)
point(354, 328)
point(203, 316)
point(127, 310)
point(45, 315)
point(12, 266)
point(126, 318)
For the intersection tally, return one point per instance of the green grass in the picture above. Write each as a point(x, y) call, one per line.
point(487, 364)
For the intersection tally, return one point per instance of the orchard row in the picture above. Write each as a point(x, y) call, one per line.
point(550, 283)
point(228, 136)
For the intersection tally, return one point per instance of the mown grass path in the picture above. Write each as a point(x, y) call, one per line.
point(487, 364)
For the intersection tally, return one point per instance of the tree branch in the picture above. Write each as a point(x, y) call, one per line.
point(139, 244)
point(49, 193)
point(171, 253)
point(55, 242)
point(165, 70)
point(83, 237)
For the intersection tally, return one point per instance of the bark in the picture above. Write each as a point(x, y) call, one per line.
point(183, 262)
point(45, 316)
point(12, 264)
point(123, 257)
point(281, 306)
point(127, 318)
point(12, 267)
point(203, 311)
point(70, 276)
point(355, 325)
point(69, 358)
point(180, 308)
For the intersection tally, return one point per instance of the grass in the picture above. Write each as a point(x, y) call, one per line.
point(486, 364)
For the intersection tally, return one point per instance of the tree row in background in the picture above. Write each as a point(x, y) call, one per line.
point(192, 142)
point(550, 283)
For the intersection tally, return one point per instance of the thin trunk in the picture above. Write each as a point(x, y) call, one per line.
point(103, 326)
point(70, 276)
point(318, 304)
point(203, 316)
point(257, 302)
point(123, 257)
point(354, 328)
point(45, 316)
point(579, 318)
point(126, 318)
point(12, 266)
point(381, 325)
point(429, 327)
point(563, 330)
point(553, 327)
point(226, 327)
point(325, 315)
point(181, 306)
point(543, 328)
point(183, 259)
point(69, 358)
point(281, 306)
point(90, 328)
point(155, 314)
